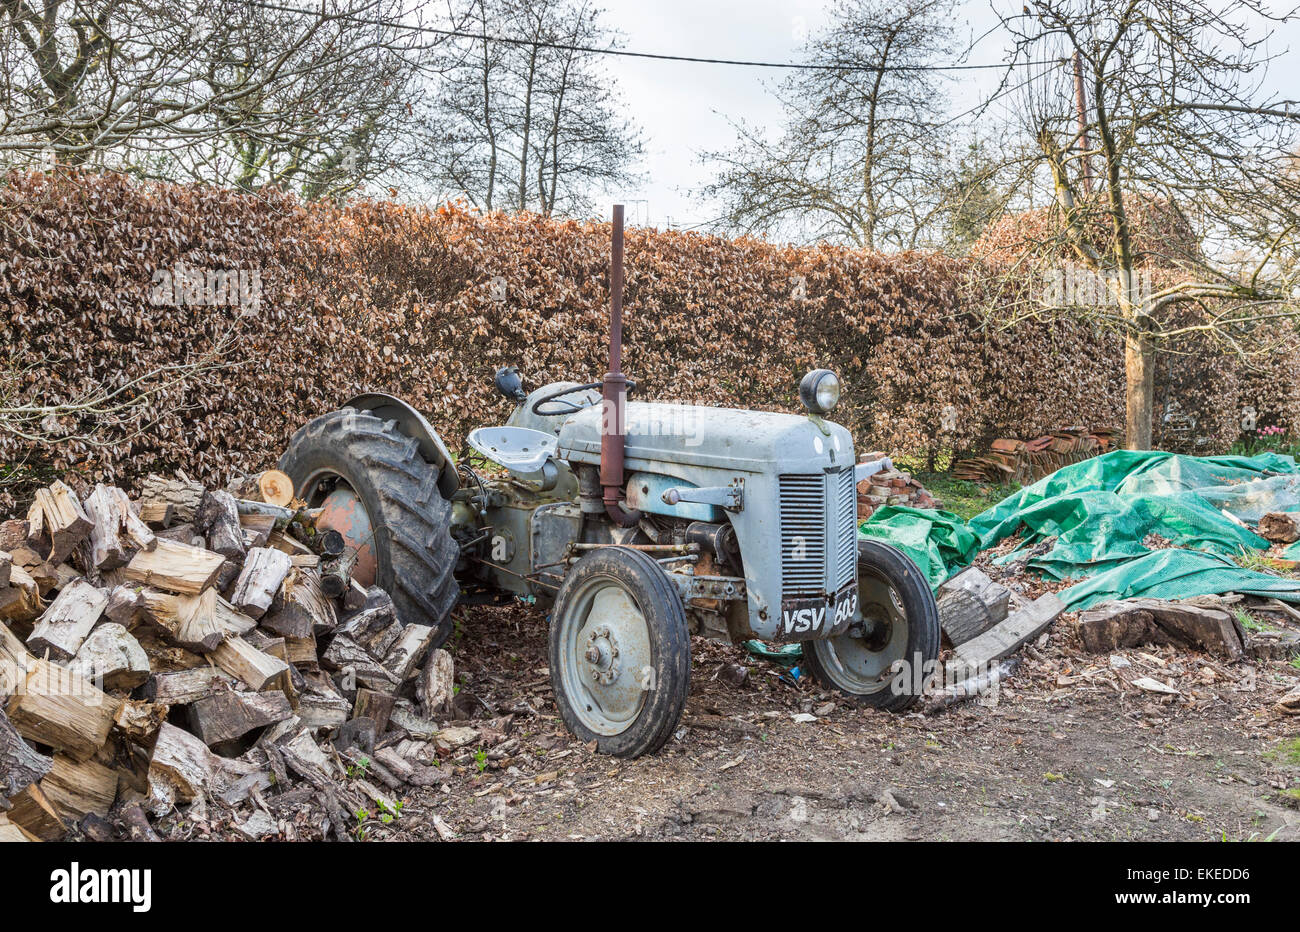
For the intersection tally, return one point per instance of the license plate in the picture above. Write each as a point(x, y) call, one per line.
point(806, 619)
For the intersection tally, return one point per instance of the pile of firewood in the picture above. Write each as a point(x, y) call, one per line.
point(891, 487)
point(1026, 461)
point(180, 650)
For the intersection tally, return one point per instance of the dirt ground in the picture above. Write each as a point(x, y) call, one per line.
point(1068, 749)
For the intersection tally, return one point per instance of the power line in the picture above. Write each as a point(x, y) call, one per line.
point(625, 53)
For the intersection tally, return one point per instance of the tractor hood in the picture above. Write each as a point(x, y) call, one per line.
point(718, 438)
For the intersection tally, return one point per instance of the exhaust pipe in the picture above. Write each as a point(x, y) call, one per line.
point(612, 438)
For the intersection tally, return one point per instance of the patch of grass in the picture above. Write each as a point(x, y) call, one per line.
point(1287, 751)
point(1256, 560)
point(963, 498)
point(1250, 623)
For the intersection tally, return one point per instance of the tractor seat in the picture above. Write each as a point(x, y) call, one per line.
point(519, 449)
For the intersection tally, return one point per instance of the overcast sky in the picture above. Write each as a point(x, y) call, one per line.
point(683, 108)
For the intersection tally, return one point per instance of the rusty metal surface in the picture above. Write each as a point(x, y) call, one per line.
point(343, 511)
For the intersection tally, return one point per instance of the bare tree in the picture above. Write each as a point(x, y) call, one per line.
point(525, 117)
point(1174, 124)
point(234, 91)
point(860, 156)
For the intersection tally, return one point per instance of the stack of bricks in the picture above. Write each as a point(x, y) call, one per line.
point(890, 487)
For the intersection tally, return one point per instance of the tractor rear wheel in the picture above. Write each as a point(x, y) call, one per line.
point(382, 496)
point(903, 629)
point(620, 652)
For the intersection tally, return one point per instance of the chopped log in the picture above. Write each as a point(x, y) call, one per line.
point(189, 621)
point(13, 833)
point(15, 661)
point(32, 811)
point(157, 514)
point(44, 573)
point(20, 765)
point(78, 788)
point(301, 652)
point(407, 652)
point(396, 764)
point(176, 567)
point(264, 571)
point(343, 653)
point(13, 533)
point(218, 520)
point(1008, 635)
point(137, 824)
point(962, 615)
point(139, 720)
point(256, 530)
point(272, 487)
point(231, 620)
point(436, 686)
point(6, 568)
point(59, 708)
point(114, 520)
point(376, 706)
point(305, 610)
point(21, 600)
point(182, 534)
point(184, 686)
point(183, 495)
point(62, 519)
point(322, 710)
point(68, 621)
point(112, 656)
point(180, 769)
point(1280, 527)
point(374, 627)
point(125, 605)
point(246, 663)
point(336, 573)
point(1131, 622)
point(227, 715)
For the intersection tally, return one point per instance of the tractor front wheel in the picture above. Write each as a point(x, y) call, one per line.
point(886, 664)
point(620, 652)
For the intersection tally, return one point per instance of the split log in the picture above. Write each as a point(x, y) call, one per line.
point(125, 605)
point(1131, 622)
point(157, 514)
point(15, 661)
point(304, 610)
point(13, 833)
point(247, 664)
point(6, 568)
point(1008, 635)
point(272, 487)
point(343, 653)
point(301, 652)
point(20, 765)
point(1280, 527)
point(59, 708)
point(68, 621)
point(176, 567)
point(62, 520)
point(256, 530)
point(218, 520)
point(44, 573)
point(226, 715)
point(182, 534)
point(32, 811)
point(407, 652)
point(436, 686)
point(264, 571)
point(188, 621)
point(183, 495)
point(139, 720)
point(376, 706)
point(970, 603)
point(180, 769)
point(113, 656)
point(21, 600)
point(79, 788)
point(114, 520)
point(374, 627)
point(184, 686)
point(322, 710)
point(13, 533)
point(137, 824)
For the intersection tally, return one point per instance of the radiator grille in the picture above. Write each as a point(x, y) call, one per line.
point(818, 532)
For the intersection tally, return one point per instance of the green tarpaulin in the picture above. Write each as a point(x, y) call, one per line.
point(1099, 515)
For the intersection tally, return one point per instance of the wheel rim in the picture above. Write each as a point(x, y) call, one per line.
point(342, 510)
point(864, 665)
point(605, 651)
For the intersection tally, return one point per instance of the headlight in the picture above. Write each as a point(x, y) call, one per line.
point(820, 391)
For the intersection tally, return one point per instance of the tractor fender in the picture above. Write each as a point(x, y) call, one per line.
point(413, 424)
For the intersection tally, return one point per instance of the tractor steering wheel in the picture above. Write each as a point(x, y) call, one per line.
point(556, 399)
